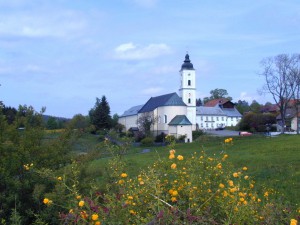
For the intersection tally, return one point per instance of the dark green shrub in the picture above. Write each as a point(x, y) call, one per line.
point(197, 133)
point(160, 137)
point(147, 141)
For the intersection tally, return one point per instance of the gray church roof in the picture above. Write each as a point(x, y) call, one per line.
point(205, 110)
point(132, 111)
point(164, 100)
point(180, 120)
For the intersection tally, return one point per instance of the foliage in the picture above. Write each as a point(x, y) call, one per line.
point(216, 94)
point(256, 122)
point(145, 121)
point(79, 122)
point(100, 114)
point(197, 133)
point(147, 141)
point(22, 152)
point(160, 137)
point(242, 106)
point(175, 189)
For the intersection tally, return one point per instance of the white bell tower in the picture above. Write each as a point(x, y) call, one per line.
point(187, 89)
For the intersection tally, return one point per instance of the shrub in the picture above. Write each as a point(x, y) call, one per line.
point(176, 189)
point(161, 137)
point(147, 141)
point(197, 133)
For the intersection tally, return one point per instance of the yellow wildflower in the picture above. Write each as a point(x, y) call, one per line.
point(83, 214)
point(46, 201)
point(171, 156)
point(121, 181)
point(235, 174)
point(124, 175)
point(172, 152)
point(230, 182)
point(173, 199)
point(95, 217)
point(174, 193)
point(180, 157)
point(245, 168)
point(173, 166)
point(59, 178)
point(293, 222)
point(266, 194)
point(81, 203)
point(78, 197)
point(132, 212)
point(97, 223)
point(221, 185)
point(246, 177)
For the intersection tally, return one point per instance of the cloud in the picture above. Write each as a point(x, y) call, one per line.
point(246, 97)
point(129, 51)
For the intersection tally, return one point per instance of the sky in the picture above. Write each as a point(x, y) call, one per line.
point(63, 54)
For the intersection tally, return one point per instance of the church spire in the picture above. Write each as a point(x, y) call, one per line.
point(187, 65)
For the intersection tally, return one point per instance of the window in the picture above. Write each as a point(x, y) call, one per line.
point(217, 118)
point(201, 118)
point(202, 125)
point(165, 119)
point(189, 82)
point(189, 101)
point(222, 118)
point(231, 118)
point(207, 118)
point(206, 124)
point(212, 119)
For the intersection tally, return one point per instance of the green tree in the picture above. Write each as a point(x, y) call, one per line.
point(52, 123)
point(199, 102)
point(242, 106)
point(100, 114)
point(79, 122)
point(256, 122)
point(255, 106)
point(145, 121)
point(216, 94)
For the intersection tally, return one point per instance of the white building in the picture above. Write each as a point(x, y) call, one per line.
point(178, 114)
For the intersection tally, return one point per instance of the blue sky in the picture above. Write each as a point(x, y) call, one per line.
point(62, 54)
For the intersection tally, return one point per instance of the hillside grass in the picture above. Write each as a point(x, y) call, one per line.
point(273, 162)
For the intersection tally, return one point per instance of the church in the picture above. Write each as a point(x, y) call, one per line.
point(177, 114)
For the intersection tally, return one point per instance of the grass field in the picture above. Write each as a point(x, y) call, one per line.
point(273, 162)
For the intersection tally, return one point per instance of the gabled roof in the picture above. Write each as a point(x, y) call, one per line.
point(164, 100)
point(232, 112)
point(180, 120)
point(215, 102)
point(204, 110)
point(132, 111)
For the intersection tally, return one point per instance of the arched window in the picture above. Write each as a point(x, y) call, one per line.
point(165, 119)
point(189, 82)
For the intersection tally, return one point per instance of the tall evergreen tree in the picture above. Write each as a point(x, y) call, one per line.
point(100, 114)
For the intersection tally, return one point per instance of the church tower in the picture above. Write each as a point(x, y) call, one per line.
point(187, 89)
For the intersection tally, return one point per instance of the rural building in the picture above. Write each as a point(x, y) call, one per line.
point(177, 114)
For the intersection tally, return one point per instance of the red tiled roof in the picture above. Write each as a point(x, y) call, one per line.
point(214, 102)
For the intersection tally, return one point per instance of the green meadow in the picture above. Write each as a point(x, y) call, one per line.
point(273, 162)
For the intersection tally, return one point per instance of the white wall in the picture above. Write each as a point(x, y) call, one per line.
point(128, 121)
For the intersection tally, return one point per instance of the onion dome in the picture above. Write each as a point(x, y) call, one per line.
point(187, 65)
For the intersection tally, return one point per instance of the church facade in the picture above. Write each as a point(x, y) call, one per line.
point(178, 115)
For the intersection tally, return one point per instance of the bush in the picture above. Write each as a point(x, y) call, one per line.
point(161, 137)
point(197, 133)
point(176, 189)
point(147, 141)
